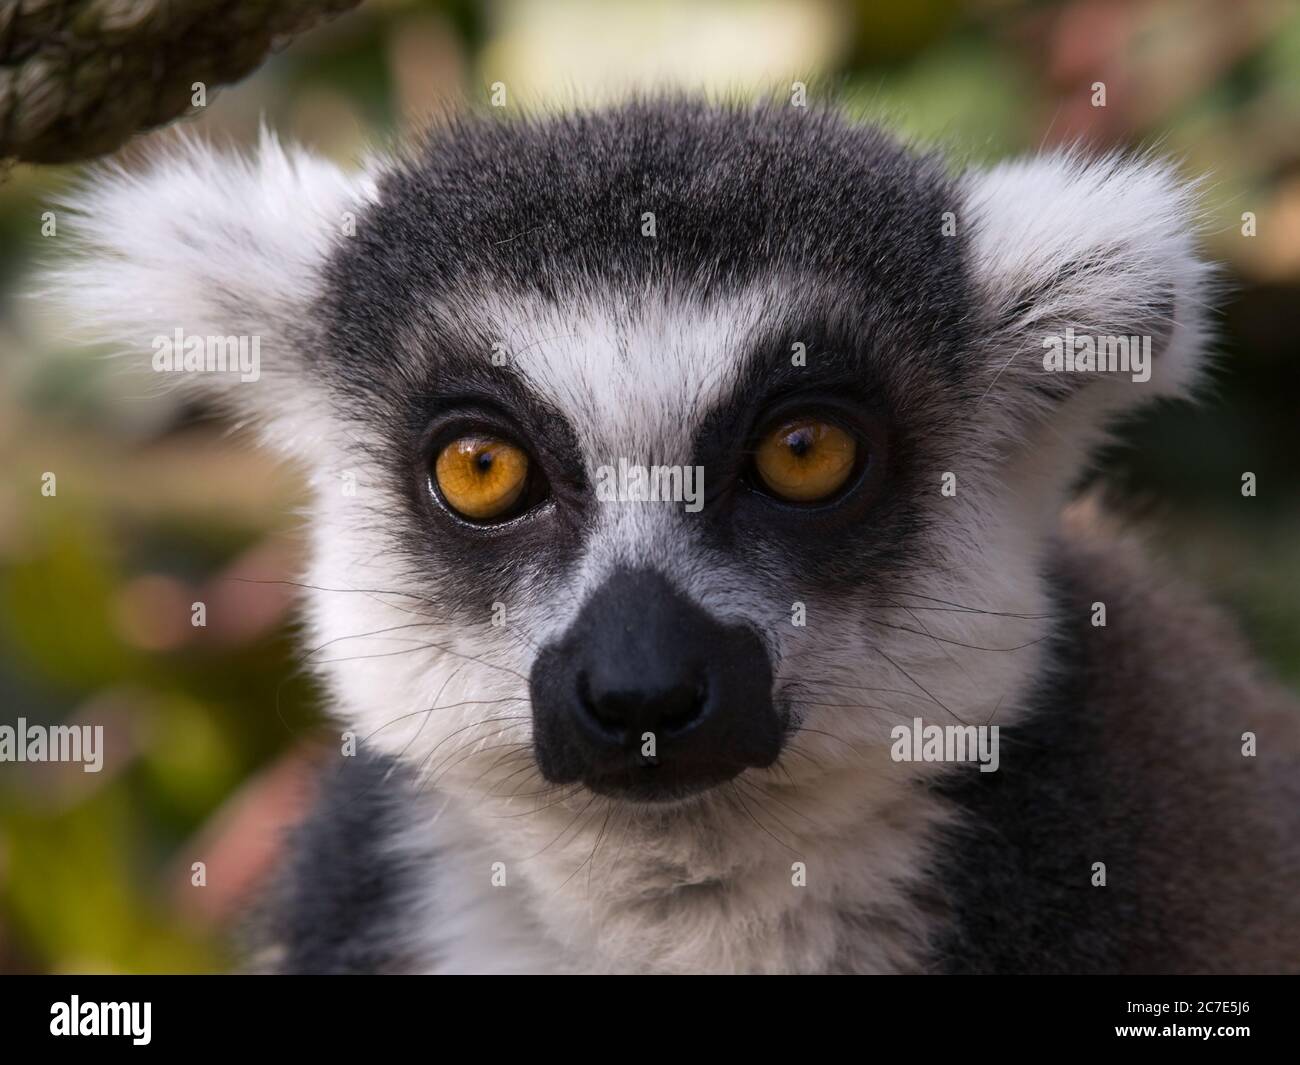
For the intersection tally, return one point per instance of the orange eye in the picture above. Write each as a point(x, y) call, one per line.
point(805, 460)
point(481, 477)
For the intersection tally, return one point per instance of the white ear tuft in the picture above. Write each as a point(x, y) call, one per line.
point(213, 245)
point(1098, 246)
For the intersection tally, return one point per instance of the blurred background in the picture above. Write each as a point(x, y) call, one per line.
point(210, 732)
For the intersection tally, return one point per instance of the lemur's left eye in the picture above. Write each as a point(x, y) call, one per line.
point(482, 477)
point(805, 460)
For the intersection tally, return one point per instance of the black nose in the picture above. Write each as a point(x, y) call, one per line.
point(647, 694)
point(666, 705)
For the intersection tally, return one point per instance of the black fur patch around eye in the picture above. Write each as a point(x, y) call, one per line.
point(856, 374)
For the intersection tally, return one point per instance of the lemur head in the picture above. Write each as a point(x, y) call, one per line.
point(667, 451)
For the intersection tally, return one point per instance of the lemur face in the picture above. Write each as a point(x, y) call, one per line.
point(783, 379)
point(664, 633)
point(670, 448)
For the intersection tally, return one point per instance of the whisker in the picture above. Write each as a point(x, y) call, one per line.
point(464, 751)
point(516, 749)
point(564, 831)
point(473, 724)
point(970, 609)
point(545, 791)
point(956, 643)
point(527, 766)
point(793, 748)
point(828, 735)
point(909, 676)
point(777, 799)
point(424, 647)
point(451, 706)
point(745, 807)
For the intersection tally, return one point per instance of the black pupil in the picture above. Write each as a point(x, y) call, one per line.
point(483, 460)
point(799, 442)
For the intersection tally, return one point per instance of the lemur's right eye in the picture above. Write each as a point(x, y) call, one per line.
point(482, 477)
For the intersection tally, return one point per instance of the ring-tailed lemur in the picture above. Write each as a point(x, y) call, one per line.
point(604, 730)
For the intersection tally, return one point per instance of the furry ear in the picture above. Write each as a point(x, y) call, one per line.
point(203, 260)
point(1071, 254)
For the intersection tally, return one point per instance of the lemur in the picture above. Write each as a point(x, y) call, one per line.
point(606, 732)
